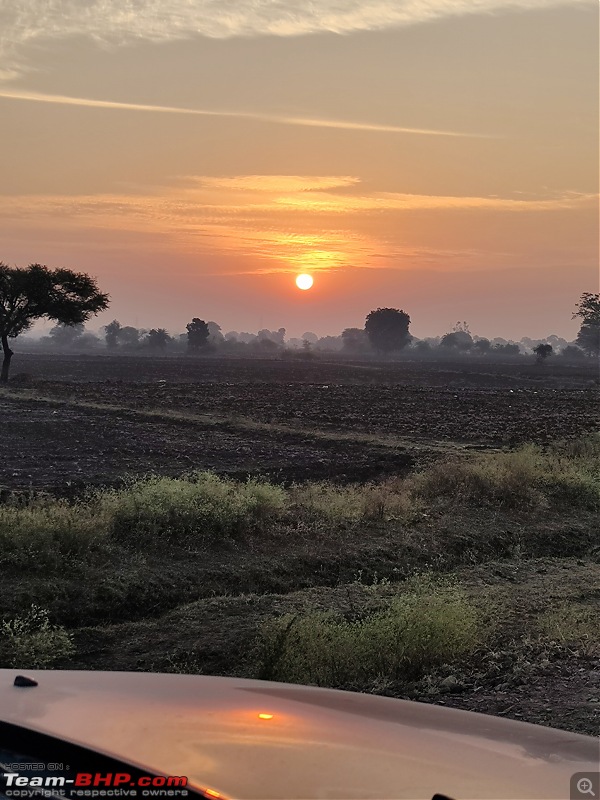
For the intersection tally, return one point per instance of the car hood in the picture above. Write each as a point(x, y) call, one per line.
point(256, 740)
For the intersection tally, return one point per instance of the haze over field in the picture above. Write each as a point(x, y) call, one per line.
point(435, 156)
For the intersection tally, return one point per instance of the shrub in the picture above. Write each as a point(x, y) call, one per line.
point(529, 477)
point(385, 501)
point(42, 534)
point(30, 641)
point(414, 633)
point(202, 506)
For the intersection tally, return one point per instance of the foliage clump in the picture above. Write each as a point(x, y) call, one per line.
point(201, 507)
point(30, 641)
point(387, 329)
point(417, 631)
point(561, 476)
point(46, 533)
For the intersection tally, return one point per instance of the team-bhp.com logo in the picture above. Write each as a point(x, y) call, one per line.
point(94, 784)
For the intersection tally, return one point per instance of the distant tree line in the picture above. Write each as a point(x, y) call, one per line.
point(70, 299)
point(385, 333)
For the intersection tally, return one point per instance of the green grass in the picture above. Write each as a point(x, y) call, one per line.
point(45, 533)
point(198, 509)
point(417, 631)
point(141, 549)
point(48, 533)
point(30, 641)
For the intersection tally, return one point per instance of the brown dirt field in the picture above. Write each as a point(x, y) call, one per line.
point(54, 445)
point(287, 420)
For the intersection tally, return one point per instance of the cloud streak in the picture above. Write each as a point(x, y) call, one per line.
point(220, 199)
point(120, 22)
point(278, 119)
point(160, 20)
point(298, 222)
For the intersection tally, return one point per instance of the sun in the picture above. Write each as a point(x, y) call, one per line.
point(304, 282)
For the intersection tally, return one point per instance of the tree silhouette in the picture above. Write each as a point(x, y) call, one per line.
point(354, 340)
point(129, 336)
point(387, 329)
point(482, 346)
point(116, 335)
point(66, 335)
point(588, 310)
point(460, 340)
point(542, 351)
point(36, 292)
point(158, 338)
point(198, 333)
point(215, 334)
point(111, 334)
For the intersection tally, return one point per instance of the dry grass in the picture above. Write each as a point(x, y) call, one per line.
point(574, 626)
point(424, 628)
point(563, 476)
point(30, 641)
point(388, 501)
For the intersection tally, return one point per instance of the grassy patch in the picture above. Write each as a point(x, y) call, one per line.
point(46, 534)
point(573, 625)
point(141, 549)
point(562, 476)
point(388, 501)
point(30, 641)
point(202, 507)
point(417, 631)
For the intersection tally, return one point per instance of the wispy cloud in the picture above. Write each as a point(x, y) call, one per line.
point(159, 20)
point(292, 220)
point(279, 196)
point(118, 22)
point(280, 119)
point(277, 183)
point(323, 202)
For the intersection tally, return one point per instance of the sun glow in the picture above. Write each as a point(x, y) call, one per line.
point(304, 282)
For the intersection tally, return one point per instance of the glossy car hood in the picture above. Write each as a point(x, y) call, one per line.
point(269, 741)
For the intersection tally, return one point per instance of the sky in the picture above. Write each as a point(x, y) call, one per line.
point(439, 156)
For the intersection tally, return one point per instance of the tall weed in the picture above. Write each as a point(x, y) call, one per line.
point(412, 634)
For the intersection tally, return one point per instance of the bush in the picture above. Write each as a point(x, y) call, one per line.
point(529, 477)
point(386, 501)
point(31, 642)
point(413, 634)
point(203, 506)
point(41, 535)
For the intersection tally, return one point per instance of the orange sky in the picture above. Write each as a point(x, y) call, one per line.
point(195, 159)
